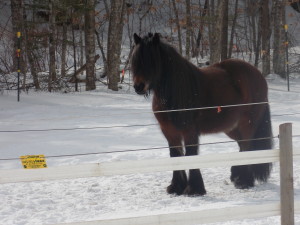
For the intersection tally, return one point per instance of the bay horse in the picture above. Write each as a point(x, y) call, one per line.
point(178, 84)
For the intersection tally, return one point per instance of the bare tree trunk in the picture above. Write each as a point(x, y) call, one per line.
point(115, 33)
point(52, 47)
point(32, 65)
point(89, 18)
point(64, 49)
point(211, 32)
point(233, 28)
point(279, 48)
point(215, 30)
point(199, 35)
point(74, 54)
point(177, 25)
point(188, 29)
point(106, 7)
point(266, 35)
point(103, 54)
point(253, 11)
point(29, 54)
point(224, 29)
point(258, 36)
point(81, 46)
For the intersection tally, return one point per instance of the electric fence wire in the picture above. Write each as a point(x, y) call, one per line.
point(75, 128)
point(146, 149)
point(102, 127)
point(145, 112)
point(140, 125)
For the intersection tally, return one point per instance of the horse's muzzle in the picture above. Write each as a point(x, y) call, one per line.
point(140, 88)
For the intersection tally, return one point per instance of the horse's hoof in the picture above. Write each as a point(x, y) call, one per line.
point(243, 183)
point(192, 191)
point(175, 189)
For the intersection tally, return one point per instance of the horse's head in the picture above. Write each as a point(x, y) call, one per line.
point(146, 63)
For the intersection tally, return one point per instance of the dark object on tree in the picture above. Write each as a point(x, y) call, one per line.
point(43, 15)
point(296, 5)
point(177, 84)
point(103, 75)
point(81, 69)
point(61, 17)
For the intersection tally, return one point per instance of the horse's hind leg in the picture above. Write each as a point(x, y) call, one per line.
point(241, 176)
point(195, 183)
point(256, 131)
point(263, 141)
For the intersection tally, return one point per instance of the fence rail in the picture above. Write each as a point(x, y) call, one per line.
point(141, 166)
point(285, 208)
point(197, 217)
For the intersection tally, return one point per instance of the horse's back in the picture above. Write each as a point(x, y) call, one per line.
point(246, 78)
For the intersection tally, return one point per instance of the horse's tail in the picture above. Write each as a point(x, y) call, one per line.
point(263, 140)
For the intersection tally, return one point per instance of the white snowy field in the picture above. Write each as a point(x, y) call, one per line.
point(87, 199)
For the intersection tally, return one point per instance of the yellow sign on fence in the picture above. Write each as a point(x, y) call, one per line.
point(33, 161)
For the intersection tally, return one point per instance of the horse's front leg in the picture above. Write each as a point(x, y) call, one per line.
point(195, 183)
point(179, 179)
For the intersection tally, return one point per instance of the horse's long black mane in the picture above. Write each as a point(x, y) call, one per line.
point(180, 79)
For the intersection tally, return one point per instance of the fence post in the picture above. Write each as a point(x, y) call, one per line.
point(286, 174)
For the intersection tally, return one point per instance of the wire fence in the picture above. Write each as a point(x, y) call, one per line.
point(76, 128)
point(153, 148)
point(143, 125)
point(100, 127)
point(131, 113)
point(97, 127)
point(147, 149)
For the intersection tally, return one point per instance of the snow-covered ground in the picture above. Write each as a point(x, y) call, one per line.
point(98, 198)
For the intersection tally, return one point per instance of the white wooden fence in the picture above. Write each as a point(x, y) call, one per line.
point(285, 208)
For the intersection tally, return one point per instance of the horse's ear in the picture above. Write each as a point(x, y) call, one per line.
point(137, 38)
point(156, 38)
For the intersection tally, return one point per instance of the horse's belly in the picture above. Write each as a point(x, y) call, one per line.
point(218, 123)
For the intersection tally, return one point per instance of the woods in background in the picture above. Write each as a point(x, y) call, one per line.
point(63, 38)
